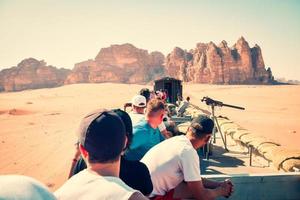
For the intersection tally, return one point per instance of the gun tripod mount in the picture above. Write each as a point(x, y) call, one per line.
point(213, 103)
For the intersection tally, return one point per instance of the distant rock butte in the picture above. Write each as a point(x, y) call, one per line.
point(31, 74)
point(209, 63)
point(119, 63)
point(206, 63)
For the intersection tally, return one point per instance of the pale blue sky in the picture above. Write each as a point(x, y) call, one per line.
point(64, 32)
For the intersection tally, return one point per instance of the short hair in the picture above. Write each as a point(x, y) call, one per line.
point(188, 98)
point(128, 124)
point(146, 93)
point(153, 106)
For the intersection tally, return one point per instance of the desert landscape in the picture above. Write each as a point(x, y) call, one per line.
point(38, 127)
point(60, 61)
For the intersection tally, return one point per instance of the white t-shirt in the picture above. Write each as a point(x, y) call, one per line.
point(136, 117)
point(171, 162)
point(87, 185)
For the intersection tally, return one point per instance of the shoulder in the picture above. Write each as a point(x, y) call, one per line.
point(141, 168)
point(118, 186)
point(189, 154)
point(141, 126)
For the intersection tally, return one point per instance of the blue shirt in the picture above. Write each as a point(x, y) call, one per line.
point(144, 138)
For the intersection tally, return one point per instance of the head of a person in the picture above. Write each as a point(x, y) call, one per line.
point(23, 188)
point(102, 137)
point(146, 93)
point(155, 112)
point(200, 130)
point(128, 125)
point(188, 99)
point(139, 103)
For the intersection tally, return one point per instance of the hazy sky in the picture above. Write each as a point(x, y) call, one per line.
point(64, 32)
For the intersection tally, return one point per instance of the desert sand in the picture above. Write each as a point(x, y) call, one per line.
point(37, 127)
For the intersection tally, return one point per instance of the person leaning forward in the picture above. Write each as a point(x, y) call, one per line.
point(175, 170)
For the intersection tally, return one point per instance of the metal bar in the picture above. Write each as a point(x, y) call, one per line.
point(250, 159)
point(222, 137)
point(231, 106)
point(269, 186)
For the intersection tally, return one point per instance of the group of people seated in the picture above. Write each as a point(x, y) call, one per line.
point(133, 155)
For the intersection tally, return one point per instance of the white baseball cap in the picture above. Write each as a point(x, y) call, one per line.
point(139, 101)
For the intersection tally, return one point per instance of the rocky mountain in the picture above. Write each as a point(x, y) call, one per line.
point(119, 63)
point(206, 63)
point(209, 63)
point(31, 74)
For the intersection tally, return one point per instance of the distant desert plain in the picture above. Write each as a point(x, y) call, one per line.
point(37, 127)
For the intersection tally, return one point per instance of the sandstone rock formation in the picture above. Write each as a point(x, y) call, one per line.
point(209, 63)
point(119, 63)
point(31, 74)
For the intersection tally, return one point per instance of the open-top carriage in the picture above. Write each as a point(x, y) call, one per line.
point(278, 179)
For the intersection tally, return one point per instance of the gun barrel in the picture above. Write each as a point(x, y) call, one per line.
point(232, 106)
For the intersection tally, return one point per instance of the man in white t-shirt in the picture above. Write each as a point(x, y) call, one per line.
point(102, 138)
point(174, 166)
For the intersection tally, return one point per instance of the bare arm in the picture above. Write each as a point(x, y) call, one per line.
point(196, 190)
point(210, 184)
point(199, 192)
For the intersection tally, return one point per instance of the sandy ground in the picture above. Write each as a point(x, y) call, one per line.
point(37, 127)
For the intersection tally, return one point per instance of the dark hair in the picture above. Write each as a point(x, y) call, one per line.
point(128, 124)
point(145, 92)
point(153, 106)
point(95, 159)
point(188, 98)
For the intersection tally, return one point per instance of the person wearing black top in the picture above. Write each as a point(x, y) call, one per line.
point(134, 173)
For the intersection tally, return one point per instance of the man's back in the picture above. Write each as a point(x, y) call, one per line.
point(171, 162)
point(144, 138)
point(134, 173)
point(88, 185)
